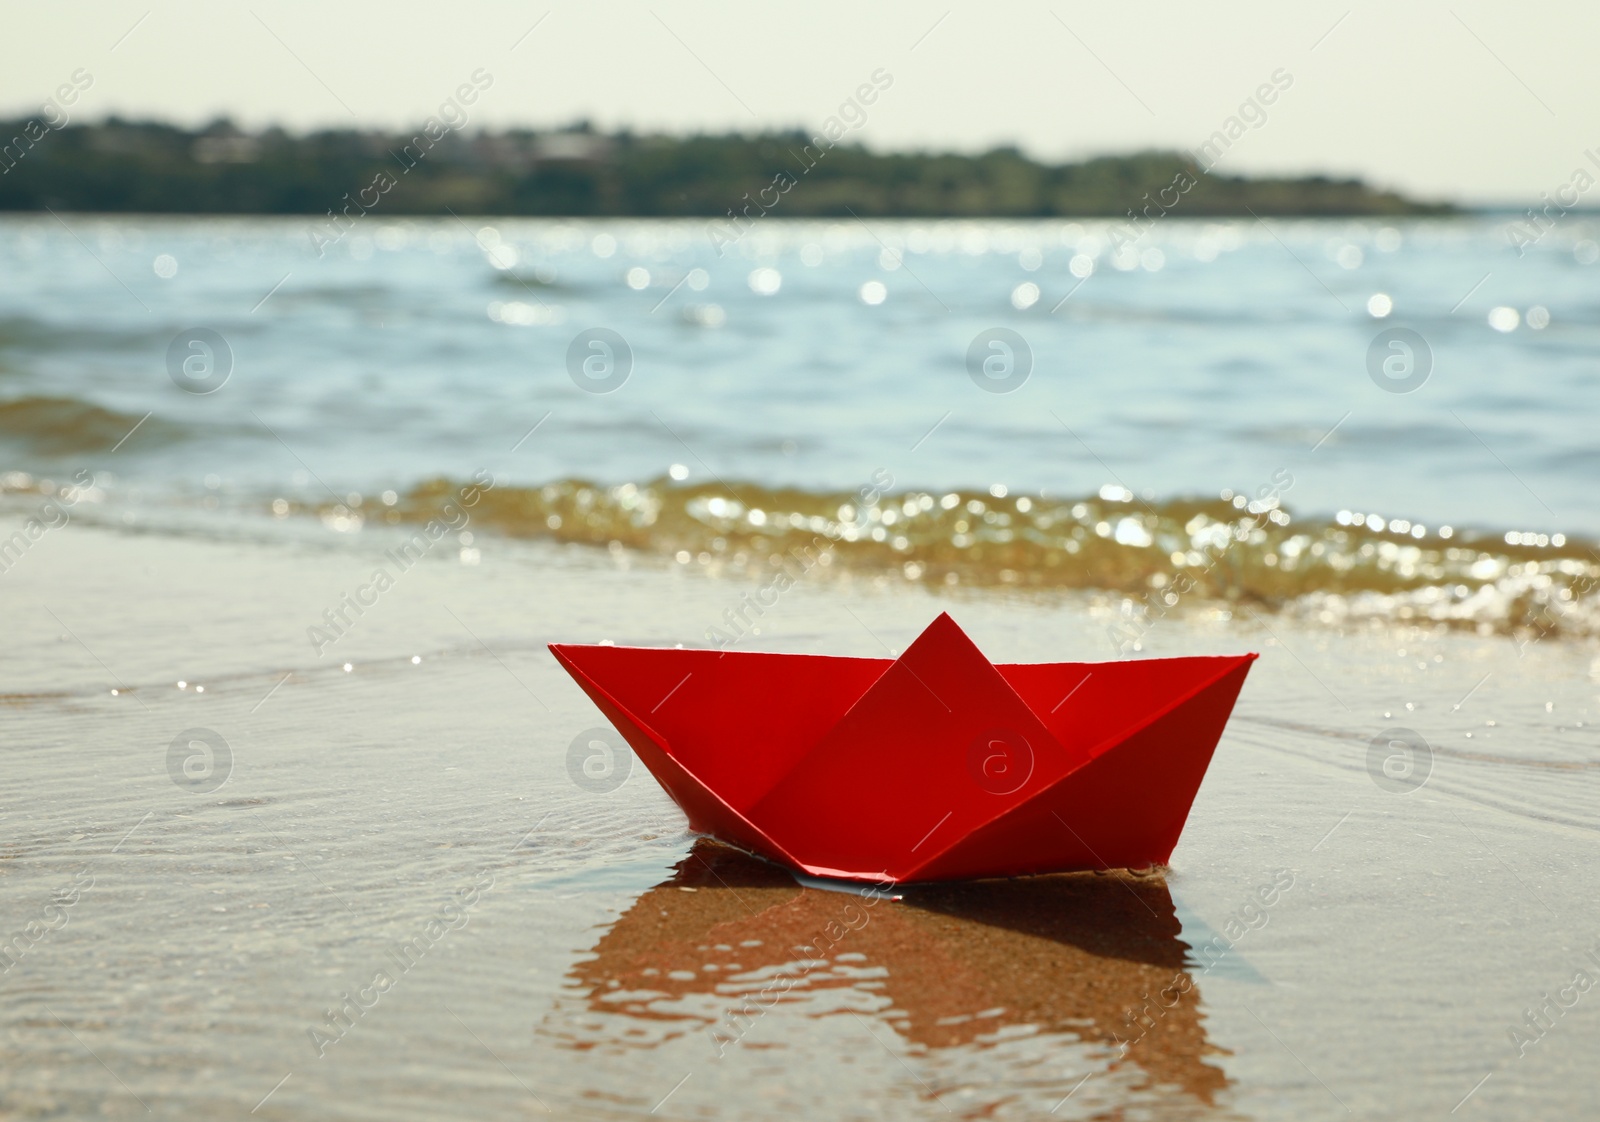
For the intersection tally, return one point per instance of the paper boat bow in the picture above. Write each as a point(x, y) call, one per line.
point(937, 765)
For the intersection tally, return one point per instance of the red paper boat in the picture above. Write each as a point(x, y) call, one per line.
point(937, 765)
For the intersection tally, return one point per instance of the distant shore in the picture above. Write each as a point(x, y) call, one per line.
point(119, 166)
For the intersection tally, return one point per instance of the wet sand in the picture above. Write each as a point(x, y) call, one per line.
point(398, 902)
point(1092, 958)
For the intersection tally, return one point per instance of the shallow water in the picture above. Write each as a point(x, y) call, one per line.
point(1198, 420)
point(1235, 355)
point(214, 930)
point(232, 802)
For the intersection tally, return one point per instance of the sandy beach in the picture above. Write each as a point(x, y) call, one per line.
point(398, 901)
point(1005, 563)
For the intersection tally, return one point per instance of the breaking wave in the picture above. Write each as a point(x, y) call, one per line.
point(1161, 557)
point(54, 426)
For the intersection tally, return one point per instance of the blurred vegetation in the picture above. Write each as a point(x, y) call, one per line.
point(125, 166)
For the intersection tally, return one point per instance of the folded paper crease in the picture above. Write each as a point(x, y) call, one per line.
point(936, 765)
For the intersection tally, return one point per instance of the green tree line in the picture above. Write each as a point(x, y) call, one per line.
point(148, 167)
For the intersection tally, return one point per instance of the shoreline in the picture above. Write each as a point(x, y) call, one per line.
point(251, 886)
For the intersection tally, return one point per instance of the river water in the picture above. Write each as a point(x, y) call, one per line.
point(1198, 460)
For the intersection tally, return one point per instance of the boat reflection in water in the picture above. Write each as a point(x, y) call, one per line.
point(1089, 961)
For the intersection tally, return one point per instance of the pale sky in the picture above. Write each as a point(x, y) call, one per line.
point(1475, 102)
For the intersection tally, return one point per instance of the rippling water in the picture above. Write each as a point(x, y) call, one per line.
point(1197, 417)
point(233, 942)
point(1198, 442)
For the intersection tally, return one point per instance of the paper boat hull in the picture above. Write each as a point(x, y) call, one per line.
point(934, 766)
